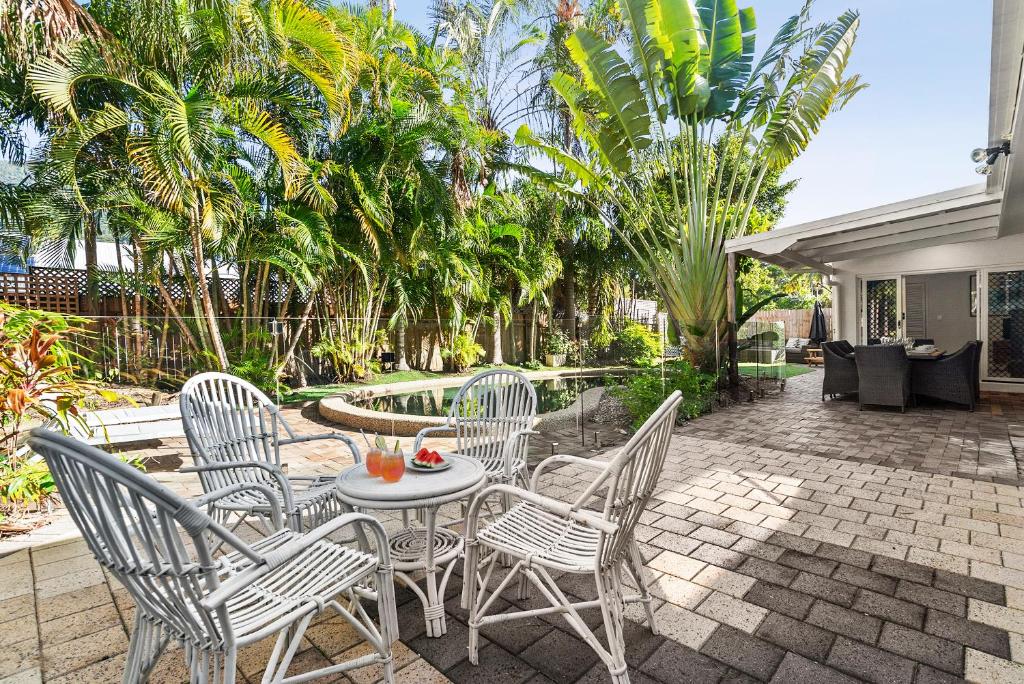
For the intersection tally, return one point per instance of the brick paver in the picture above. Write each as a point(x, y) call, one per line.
point(813, 557)
point(932, 437)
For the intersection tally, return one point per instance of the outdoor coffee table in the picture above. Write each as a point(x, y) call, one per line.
point(429, 548)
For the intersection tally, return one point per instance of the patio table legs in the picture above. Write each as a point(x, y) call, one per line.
point(433, 550)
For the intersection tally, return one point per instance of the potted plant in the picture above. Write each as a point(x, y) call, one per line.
point(555, 348)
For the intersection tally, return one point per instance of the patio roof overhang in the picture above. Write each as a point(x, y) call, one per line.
point(965, 214)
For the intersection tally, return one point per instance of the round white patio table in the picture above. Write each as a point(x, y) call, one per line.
point(429, 548)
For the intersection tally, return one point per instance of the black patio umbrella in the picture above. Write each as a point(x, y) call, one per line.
point(819, 327)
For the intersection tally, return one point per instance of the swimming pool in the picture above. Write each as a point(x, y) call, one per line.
point(552, 395)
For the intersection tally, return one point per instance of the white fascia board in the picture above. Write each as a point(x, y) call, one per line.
point(835, 253)
point(937, 203)
point(991, 233)
point(982, 211)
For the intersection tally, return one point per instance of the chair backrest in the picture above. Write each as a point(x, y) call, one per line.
point(154, 541)
point(881, 359)
point(833, 353)
point(967, 351)
point(489, 409)
point(844, 346)
point(634, 474)
point(228, 420)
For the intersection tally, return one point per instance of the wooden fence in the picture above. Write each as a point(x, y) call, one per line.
point(797, 321)
point(150, 349)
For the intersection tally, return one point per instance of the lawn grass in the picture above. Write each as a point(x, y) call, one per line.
point(317, 392)
point(789, 370)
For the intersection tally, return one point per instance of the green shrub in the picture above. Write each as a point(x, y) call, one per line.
point(580, 354)
point(602, 336)
point(637, 345)
point(644, 392)
point(463, 353)
point(557, 342)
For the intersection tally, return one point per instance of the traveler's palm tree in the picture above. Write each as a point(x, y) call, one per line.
point(687, 78)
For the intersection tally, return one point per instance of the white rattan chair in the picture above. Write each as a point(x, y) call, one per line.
point(492, 417)
point(157, 545)
point(541, 534)
point(234, 432)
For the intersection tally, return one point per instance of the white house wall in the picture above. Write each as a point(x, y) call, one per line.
point(1008, 251)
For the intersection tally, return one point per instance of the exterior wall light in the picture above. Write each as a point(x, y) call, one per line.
point(988, 156)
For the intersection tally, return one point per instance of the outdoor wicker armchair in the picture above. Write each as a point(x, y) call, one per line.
point(950, 378)
point(976, 379)
point(234, 432)
point(840, 370)
point(492, 417)
point(883, 373)
point(546, 538)
point(844, 346)
point(158, 546)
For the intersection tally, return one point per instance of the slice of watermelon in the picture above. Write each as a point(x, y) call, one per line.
point(429, 460)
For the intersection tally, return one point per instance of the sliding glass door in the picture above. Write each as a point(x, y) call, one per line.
point(1004, 296)
point(882, 308)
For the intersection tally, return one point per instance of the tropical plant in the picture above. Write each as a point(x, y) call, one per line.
point(38, 384)
point(689, 90)
point(557, 342)
point(463, 353)
point(638, 345)
point(644, 392)
point(186, 123)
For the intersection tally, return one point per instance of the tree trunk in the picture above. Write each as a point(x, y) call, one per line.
point(91, 265)
point(497, 358)
point(137, 304)
point(170, 306)
point(129, 335)
point(307, 311)
point(207, 303)
point(532, 353)
point(734, 369)
point(570, 298)
point(400, 362)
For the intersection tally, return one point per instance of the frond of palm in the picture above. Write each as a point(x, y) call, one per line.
point(314, 47)
point(649, 119)
point(44, 27)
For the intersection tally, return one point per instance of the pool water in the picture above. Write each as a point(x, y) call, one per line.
point(552, 395)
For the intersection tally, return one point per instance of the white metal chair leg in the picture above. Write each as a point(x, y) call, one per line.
point(636, 569)
point(470, 587)
point(612, 612)
point(211, 667)
point(147, 643)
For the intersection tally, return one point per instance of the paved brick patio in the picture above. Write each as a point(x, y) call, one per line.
point(771, 560)
point(931, 437)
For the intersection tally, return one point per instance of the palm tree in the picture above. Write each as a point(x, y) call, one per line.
point(689, 78)
point(185, 107)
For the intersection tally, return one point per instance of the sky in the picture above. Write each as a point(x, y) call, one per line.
point(912, 131)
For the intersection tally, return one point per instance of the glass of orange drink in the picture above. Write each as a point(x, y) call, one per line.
point(393, 465)
point(373, 461)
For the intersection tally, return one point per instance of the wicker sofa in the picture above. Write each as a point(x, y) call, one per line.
point(796, 349)
point(761, 348)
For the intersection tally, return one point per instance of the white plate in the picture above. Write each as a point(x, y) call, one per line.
point(419, 469)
